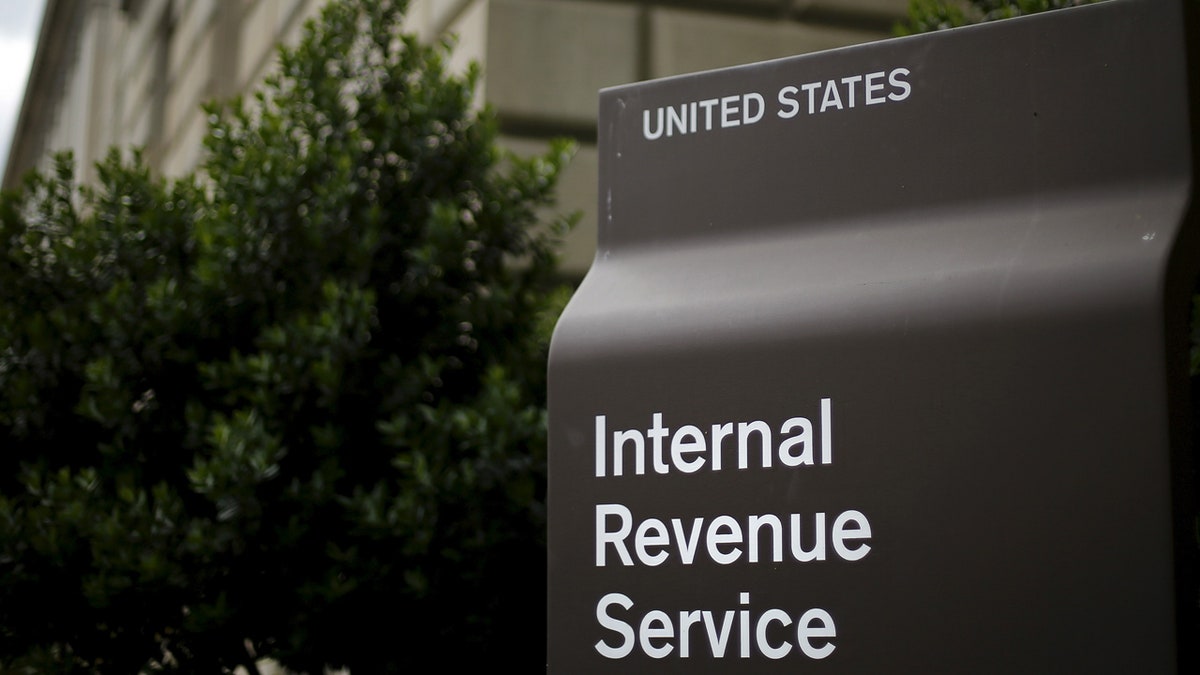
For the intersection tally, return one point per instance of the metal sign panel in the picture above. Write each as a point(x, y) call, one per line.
point(869, 373)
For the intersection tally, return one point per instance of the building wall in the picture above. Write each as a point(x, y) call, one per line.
point(135, 72)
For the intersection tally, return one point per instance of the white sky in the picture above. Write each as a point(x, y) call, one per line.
point(19, 23)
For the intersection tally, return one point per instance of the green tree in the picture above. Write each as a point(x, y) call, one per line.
point(927, 15)
point(292, 406)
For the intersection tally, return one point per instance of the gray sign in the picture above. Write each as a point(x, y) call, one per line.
point(879, 367)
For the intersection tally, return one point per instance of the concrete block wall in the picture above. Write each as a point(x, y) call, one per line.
point(547, 59)
point(687, 41)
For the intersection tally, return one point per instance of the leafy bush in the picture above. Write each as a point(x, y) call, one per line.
point(292, 406)
point(928, 15)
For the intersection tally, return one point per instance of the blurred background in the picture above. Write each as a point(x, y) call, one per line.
point(134, 72)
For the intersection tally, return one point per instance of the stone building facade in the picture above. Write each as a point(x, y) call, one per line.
point(135, 72)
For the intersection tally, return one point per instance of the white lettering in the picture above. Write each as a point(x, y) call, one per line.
point(686, 621)
point(729, 111)
point(896, 79)
point(708, 104)
point(760, 634)
point(724, 536)
point(831, 98)
point(719, 432)
point(601, 451)
point(616, 625)
point(657, 433)
point(617, 539)
point(744, 625)
point(826, 431)
point(686, 448)
point(639, 451)
point(817, 552)
point(764, 437)
point(677, 120)
point(851, 525)
point(687, 440)
point(718, 641)
point(657, 636)
point(724, 530)
point(754, 524)
point(850, 82)
point(651, 532)
point(811, 88)
point(687, 547)
point(656, 625)
point(803, 439)
point(747, 117)
point(658, 130)
point(823, 628)
point(734, 110)
point(785, 99)
point(872, 78)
